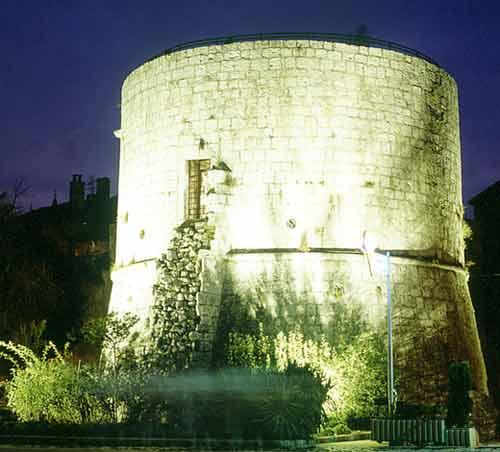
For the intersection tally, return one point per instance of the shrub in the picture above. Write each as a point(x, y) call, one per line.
point(293, 404)
point(112, 334)
point(341, 429)
point(31, 334)
point(42, 389)
point(249, 403)
point(117, 397)
point(334, 428)
point(360, 378)
point(356, 374)
point(53, 389)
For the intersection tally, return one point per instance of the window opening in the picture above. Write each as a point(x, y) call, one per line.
point(196, 172)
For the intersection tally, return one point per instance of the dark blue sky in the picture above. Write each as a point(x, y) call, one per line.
point(63, 63)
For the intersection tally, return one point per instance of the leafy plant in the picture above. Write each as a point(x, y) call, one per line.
point(31, 334)
point(341, 429)
point(360, 377)
point(52, 388)
point(112, 333)
point(334, 428)
point(355, 374)
point(245, 350)
point(116, 397)
point(42, 388)
point(249, 403)
point(293, 405)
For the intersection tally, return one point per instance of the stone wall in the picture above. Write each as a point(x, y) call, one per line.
point(175, 315)
point(433, 319)
point(340, 138)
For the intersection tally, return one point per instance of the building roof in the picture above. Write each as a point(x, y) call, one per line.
point(492, 192)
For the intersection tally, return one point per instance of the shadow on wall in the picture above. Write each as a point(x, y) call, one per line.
point(273, 302)
point(486, 296)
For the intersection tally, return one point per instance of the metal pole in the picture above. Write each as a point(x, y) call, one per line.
point(390, 364)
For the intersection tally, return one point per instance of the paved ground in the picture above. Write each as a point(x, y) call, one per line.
point(365, 446)
point(368, 446)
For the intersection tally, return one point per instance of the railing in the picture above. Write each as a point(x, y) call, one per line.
point(429, 431)
point(464, 437)
point(422, 432)
point(359, 40)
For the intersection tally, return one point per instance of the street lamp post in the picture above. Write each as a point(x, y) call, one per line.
point(390, 357)
point(369, 249)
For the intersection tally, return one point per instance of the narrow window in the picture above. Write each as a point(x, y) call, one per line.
point(196, 172)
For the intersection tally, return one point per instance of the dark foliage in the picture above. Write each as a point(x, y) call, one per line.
point(359, 423)
point(251, 404)
point(231, 404)
point(407, 410)
point(459, 401)
point(131, 429)
point(42, 276)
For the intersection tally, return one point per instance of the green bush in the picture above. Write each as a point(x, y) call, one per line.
point(42, 389)
point(334, 428)
point(293, 406)
point(125, 396)
point(341, 429)
point(113, 335)
point(360, 378)
point(355, 374)
point(51, 388)
point(283, 396)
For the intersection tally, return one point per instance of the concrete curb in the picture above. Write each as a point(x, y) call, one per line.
point(184, 443)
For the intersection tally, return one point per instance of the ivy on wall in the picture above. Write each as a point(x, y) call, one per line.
point(355, 374)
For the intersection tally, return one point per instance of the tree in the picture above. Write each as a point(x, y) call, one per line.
point(31, 275)
point(111, 333)
point(9, 201)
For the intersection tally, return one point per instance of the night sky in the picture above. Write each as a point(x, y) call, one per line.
point(64, 61)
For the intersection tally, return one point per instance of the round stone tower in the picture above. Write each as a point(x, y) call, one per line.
point(298, 151)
